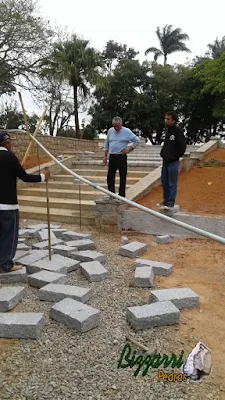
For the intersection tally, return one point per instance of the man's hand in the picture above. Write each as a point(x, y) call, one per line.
point(47, 174)
point(125, 151)
point(105, 160)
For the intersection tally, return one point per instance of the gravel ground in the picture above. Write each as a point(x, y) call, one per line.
point(68, 365)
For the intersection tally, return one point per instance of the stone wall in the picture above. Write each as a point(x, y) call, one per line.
point(56, 145)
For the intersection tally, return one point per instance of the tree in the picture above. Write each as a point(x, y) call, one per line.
point(79, 65)
point(11, 118)
point(216, 48)
point(24, 39)
point(171, 41)
point(115, 52)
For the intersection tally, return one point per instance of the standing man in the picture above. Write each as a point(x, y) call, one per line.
point(10, 170)
point(174, 147)
point(116, 143)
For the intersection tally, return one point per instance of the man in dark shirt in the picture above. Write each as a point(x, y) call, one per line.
point(173, 148)
point(10, 170)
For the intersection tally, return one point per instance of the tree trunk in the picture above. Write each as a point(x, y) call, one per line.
point(165, 59)
point(77, 127)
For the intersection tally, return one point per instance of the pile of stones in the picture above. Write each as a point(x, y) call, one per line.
point(70, 251)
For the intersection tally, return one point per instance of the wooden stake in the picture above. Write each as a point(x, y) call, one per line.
point(27, 128)
point(150, 352)
point(48, 219)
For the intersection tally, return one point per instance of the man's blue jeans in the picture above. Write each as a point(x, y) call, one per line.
point(169, 182)
point(9, 227)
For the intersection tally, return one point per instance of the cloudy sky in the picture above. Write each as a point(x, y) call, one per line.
point(135, 23)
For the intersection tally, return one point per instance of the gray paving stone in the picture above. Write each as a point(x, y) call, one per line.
point(63, 250)
point(55, 226)
point(21, 325)
point(159, 268)
point(132, 249)
point(163, 239)
point(22, 246)
point(153, 315)
point(14, 277)
point(44, 245)
point(75, 315)
point(38, 226)
point(33, 256)
point(124, 240)
point(94, 271)
point(180, 297)
point(59, 264)
point(59, 232)
point(84, 244)
point(10, 296)
point(43, 278)
point(89, 255)
point(56, 292)
point(21, 240)
point(19, 255)
point(30, 233)
point(144, 277)
point(75, 235)
point(43, 234)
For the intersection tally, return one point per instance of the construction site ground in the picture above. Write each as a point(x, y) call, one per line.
point(200, 191)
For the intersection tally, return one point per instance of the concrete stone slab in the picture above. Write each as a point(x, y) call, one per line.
point(33, 256)
point(56, 292)
point(44, 245)
point(180, 297)
point(163, 239)
point(75, 315)
point(159, 268)
point(85, 244)
point(10, 296)
point(22, 246)
point(144, 277)
point(89, 255)
point(153, 315)
point(30, 233)
point(63, 250)
point(38, 226)
point(55, 226)
point(132, 249)
point(43, 278)
point(124, 240)
point(19, 255)
point(43, 235)
point(21, 325)
point(70, 235)
point(14, 277)
point(58, 233)
point(94, 271)
point(21, 240)
point(59, 264)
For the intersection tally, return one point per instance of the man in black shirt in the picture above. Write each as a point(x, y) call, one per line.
point(173, 148)
point(10, 170)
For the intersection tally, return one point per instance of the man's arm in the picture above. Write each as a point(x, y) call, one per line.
point(23, 176)
point(182, 142)
point(135, 141)
point(106, 148)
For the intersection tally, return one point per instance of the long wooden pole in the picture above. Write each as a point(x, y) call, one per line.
point(27, 128)
point(48, 219)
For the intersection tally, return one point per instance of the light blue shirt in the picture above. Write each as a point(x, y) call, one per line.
point(117, 141)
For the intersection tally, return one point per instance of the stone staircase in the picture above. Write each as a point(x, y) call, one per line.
point(64, 192)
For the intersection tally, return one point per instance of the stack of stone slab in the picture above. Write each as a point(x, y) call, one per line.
point(70, 251)
point(164, 305)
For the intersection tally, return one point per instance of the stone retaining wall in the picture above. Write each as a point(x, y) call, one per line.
point(56, 145)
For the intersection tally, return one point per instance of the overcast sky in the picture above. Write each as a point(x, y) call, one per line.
point(135, 23)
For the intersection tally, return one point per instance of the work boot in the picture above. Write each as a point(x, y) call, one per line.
point(14, 268)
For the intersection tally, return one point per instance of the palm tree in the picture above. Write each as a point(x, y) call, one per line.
point(171, 40)
point(216, 48)
point(74, 61)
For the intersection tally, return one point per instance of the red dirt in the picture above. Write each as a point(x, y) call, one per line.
point(200, 190)
point(32, 161)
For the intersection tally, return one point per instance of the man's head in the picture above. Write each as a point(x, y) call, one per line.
point(117, 123)
point(5, 140)
point(170, 118)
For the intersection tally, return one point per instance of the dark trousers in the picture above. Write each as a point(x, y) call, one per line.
point(169, 182)
point(117, 162)
point(9, 228)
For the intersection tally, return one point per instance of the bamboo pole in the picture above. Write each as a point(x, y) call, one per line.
point(48, 219)
point(27, 128)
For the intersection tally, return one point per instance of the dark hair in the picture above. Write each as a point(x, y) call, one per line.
point(173, 115)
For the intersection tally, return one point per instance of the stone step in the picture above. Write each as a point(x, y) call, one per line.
point(57, 215)
point(59, 194)
point(103, 172)
point(97, 165)
point(71, 185)
point(34, 201)
point(97, 179)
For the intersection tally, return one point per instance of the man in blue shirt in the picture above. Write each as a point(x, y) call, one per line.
point(116, 143)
